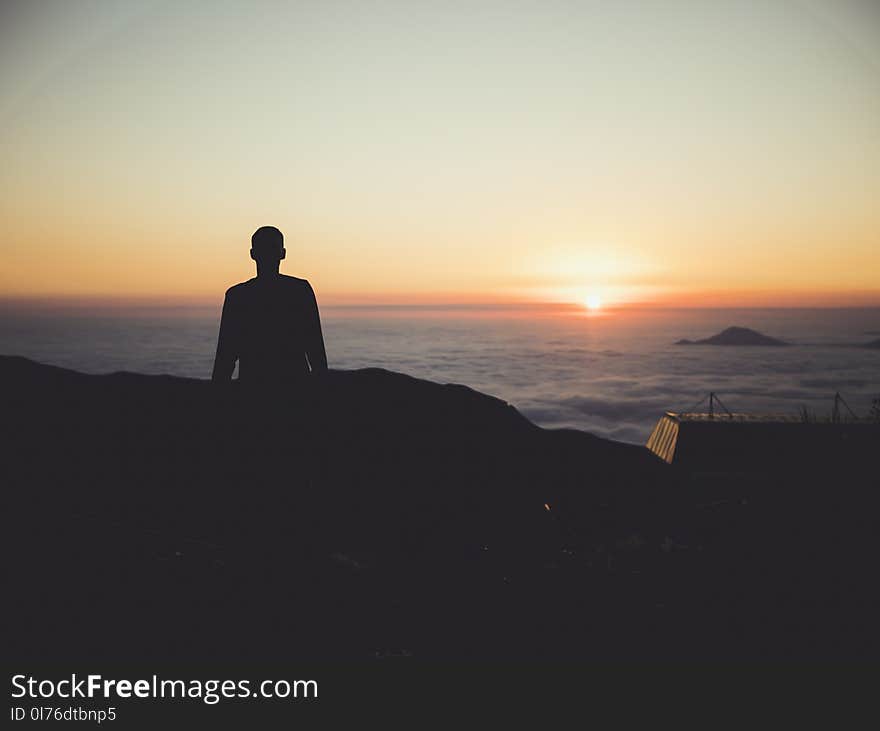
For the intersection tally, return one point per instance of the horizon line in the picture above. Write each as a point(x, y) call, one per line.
point(194, 302)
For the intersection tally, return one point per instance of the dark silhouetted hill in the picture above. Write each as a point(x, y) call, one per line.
point(376, 516)
point(736, 336)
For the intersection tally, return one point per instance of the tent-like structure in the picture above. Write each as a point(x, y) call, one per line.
point(731, 442)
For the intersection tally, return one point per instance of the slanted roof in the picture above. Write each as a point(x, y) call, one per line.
point(732, 441)
point(738, 417)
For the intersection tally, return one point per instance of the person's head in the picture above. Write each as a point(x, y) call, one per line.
point(267, 246)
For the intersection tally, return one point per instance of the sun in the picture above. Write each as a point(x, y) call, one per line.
point(593, 302)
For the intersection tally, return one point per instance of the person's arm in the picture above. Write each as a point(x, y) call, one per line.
point(314, 338)
point(227, 346)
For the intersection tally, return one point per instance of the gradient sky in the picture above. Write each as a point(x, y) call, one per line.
point(680, 152)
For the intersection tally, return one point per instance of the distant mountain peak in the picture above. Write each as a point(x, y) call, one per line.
point(736, 336)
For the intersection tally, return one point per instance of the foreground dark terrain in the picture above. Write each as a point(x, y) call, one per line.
point(383, 518)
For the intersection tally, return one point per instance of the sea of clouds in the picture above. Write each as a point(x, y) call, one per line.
point(612, 374)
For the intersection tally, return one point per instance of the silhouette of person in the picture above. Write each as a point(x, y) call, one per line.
point(270, 324)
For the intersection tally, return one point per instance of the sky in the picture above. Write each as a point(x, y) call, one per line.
point(683, 153)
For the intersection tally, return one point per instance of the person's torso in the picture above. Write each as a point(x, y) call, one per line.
point(273, 318)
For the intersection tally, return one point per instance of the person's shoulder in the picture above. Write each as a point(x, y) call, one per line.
point(296, 282)
point(240, 288)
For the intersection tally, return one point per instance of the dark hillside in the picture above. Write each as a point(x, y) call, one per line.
point(380, 515)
